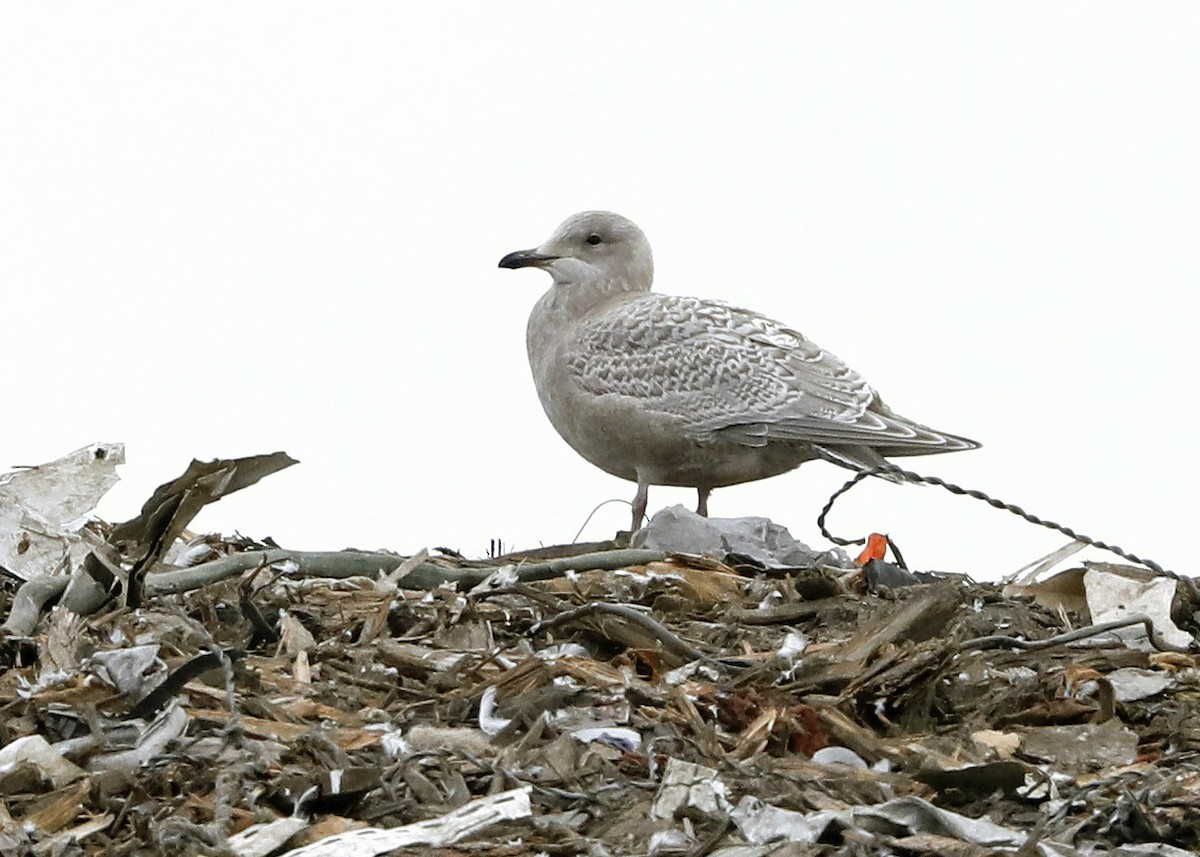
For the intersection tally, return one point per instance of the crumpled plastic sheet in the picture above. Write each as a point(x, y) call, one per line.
point(679, 529)
point(761, 823)
point(1113, 596)
point(43, 509)
point(133, 670)
point(37, 751)
point(687, 785)
point(468, 819)
point(920, 816)
point(1131, 684)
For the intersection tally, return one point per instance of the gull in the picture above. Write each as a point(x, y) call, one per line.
point(665, 390)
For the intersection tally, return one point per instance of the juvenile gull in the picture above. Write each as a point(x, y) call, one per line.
point(666, 390)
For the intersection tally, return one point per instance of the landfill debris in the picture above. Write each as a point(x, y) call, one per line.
point(714, 688)
point(44, 509)
point(760, 540)
point(1115, 591)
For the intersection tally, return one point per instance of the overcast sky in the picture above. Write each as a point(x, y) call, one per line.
point(232, 228)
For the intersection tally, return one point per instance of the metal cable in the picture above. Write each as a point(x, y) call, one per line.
point(910, 476)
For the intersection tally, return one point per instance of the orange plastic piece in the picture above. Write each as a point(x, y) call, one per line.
point(876, 548)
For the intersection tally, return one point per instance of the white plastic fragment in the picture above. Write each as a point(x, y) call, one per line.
point(503, 577)
point(771, 599)
point(794, 644)
point(680, 674)
point(1112, 596)
point(469, 819)
point(673, 840)
point(133, 670)
point(920, 816)
point(760, 822)
point(392, 742)
point(566, 682)
point(1131, 684)
point(185, 554)
point(45, 680)
point(35, 750)
point(842, 756)
point(259, 840)
point(685, 784)
point(1027, 575)
point(561, 650)
point(679, 529)
point(62, 492)
point(488, 721)
point(620, 737)
point(43, 509)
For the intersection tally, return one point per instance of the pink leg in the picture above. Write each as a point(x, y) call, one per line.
point(702, 505)
point(639, 505)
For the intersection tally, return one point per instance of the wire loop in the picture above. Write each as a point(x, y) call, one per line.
point(910, 476)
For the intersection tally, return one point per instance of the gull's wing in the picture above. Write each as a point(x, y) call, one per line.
point(733, 374)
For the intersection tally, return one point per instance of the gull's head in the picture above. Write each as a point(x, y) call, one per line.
point(592, 247)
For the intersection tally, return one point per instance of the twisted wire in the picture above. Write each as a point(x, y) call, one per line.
point(910, 476)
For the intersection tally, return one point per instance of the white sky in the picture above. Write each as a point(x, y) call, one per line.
point(231, 228)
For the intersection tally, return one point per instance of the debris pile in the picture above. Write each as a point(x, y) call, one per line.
point(715, 688)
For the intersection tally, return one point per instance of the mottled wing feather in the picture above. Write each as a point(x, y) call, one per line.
point(731, 373)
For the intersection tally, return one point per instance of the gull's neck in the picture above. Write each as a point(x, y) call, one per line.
point(575, 300)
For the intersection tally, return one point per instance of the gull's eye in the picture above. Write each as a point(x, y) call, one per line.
point(593, 239)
